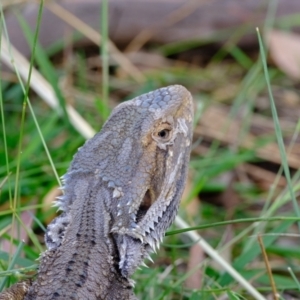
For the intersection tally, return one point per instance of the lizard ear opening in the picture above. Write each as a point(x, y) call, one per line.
point(145, 205)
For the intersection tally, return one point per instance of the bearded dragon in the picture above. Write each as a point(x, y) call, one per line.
point(121, 193)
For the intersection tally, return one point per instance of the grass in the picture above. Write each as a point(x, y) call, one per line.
point(39, 141)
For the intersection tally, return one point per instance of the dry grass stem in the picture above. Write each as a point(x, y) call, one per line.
point(95, 37)
point(269, 270)
point(195, 237)
point(41, 86)
point(174, 17)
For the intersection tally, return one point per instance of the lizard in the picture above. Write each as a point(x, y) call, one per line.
point(121, 193)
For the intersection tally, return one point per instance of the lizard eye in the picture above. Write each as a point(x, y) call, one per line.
point(164, 134)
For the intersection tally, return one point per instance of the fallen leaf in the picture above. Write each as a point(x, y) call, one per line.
point(18, 232)
point(285, 51)
point(196, 257)
point(48, 200)
point(191, 206)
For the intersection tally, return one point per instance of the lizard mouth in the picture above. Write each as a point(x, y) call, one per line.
point(144, 206)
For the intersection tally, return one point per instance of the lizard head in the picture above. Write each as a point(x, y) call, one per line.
point(141, 157)
point(156, 150)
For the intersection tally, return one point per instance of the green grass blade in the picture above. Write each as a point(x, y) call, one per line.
point(11, 264)
point(294, 277)
point(3, 121)
point(230, 222)
point(104, 53)
point(46, 66)
point(278, 129)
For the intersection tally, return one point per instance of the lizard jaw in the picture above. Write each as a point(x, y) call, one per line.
point(150, 225)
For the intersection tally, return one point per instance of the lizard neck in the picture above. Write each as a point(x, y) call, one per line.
point(85, 265)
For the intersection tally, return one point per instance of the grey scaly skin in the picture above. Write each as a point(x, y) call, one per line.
point(121, 193)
